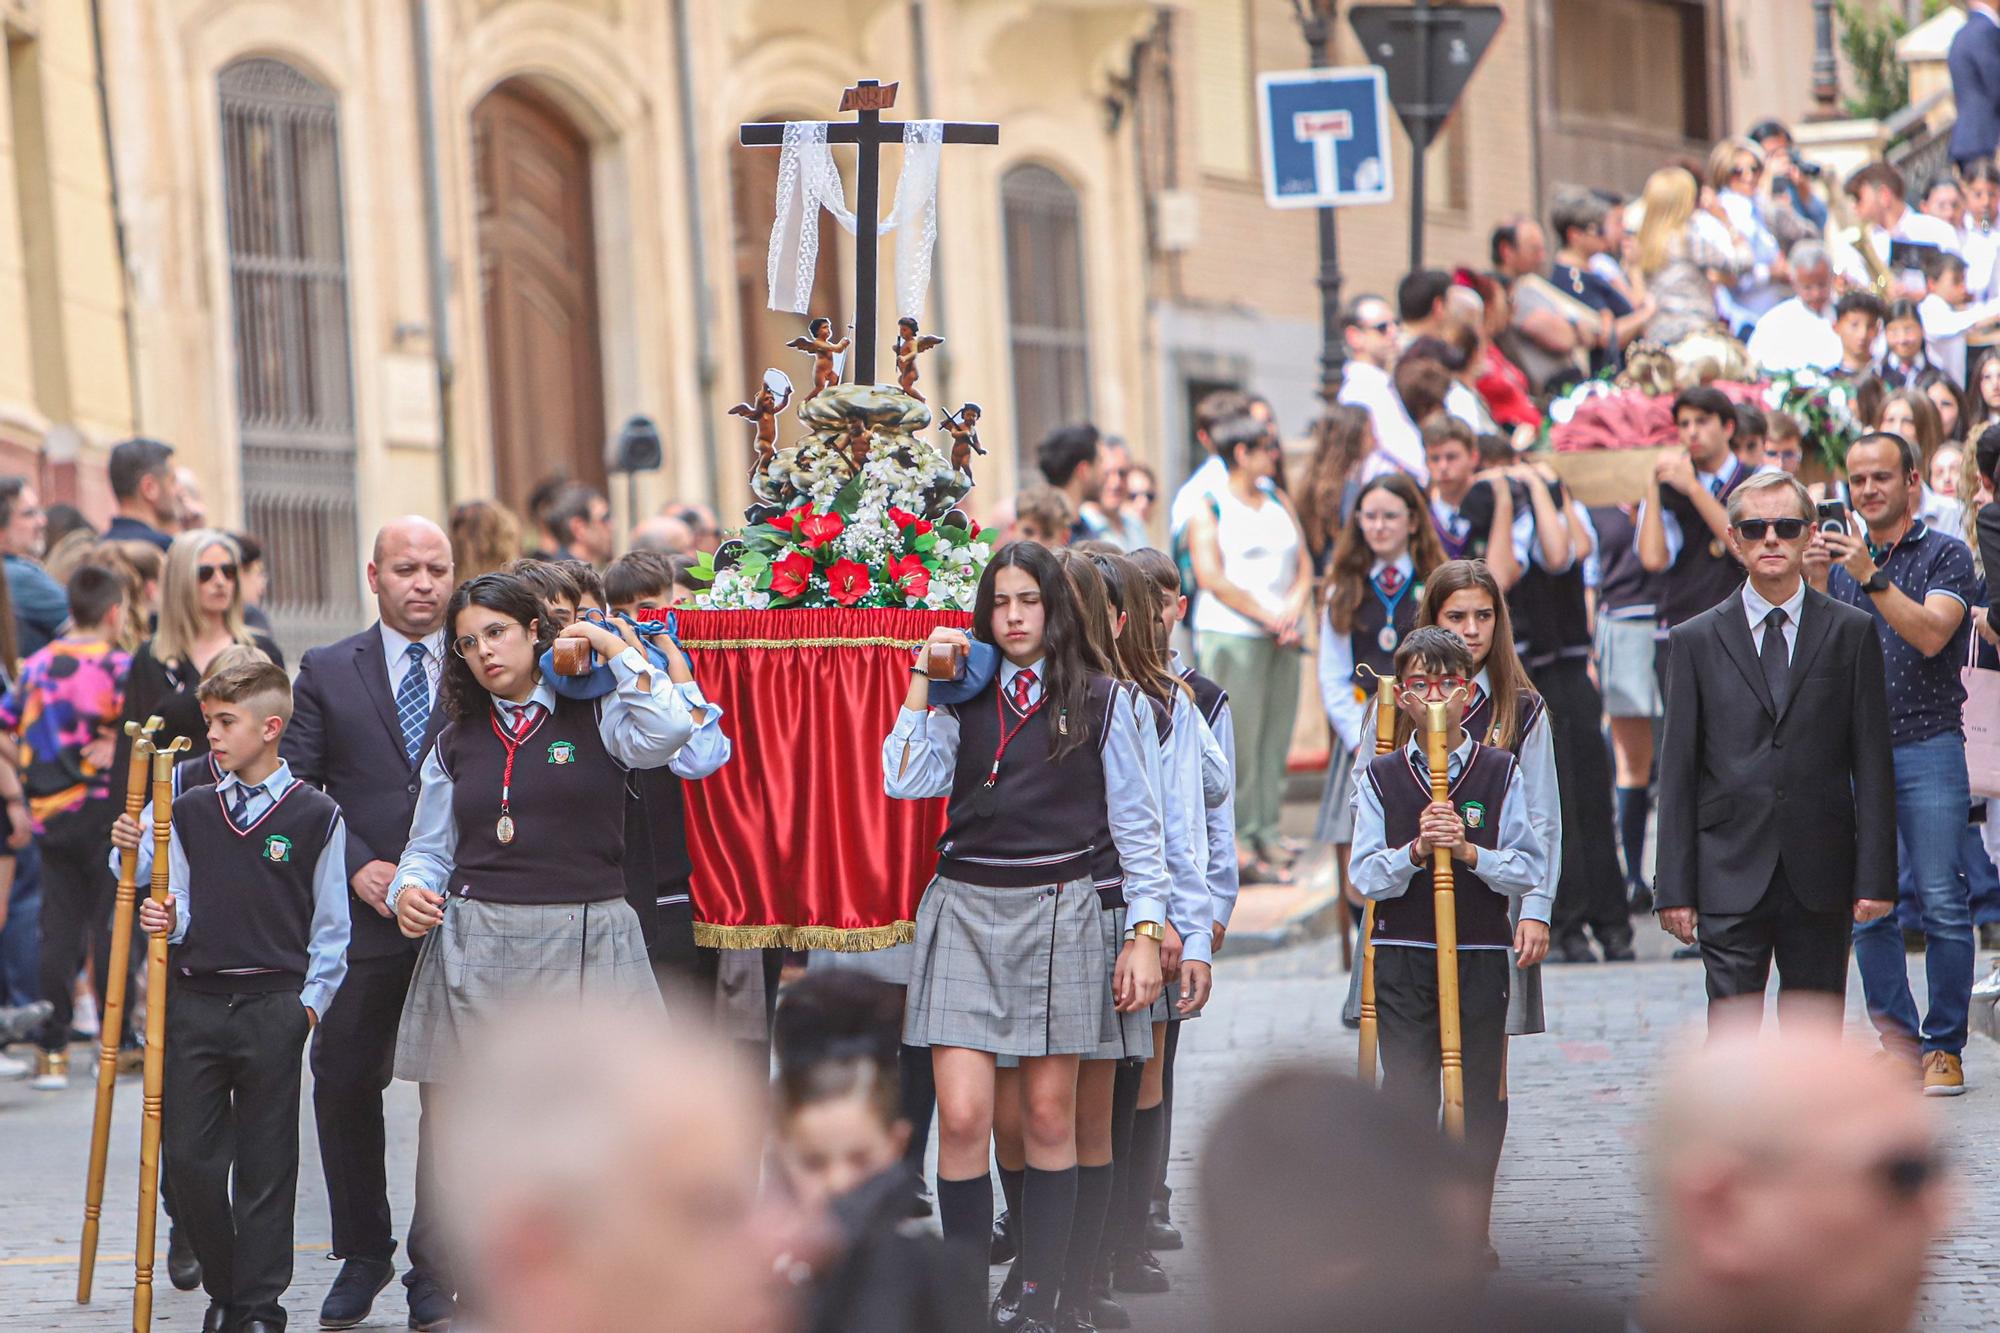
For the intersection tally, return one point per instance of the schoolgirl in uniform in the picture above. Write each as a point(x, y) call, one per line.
point(1040, 768)
point(512, 876)
point(1192, 772)
point(1386, 550)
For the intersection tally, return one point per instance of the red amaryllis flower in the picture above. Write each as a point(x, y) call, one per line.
point(921, 526)
point(819, 529)
point(847, 581)
point(910, 576)
point(788, 522)
point(902, 518)
point(790, 575)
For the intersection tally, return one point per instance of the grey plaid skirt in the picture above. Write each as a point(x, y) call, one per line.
point(1011, 971)
point(1123, 1036)
point(488, 957)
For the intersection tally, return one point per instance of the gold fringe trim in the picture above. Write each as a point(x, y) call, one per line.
point(863, 939)
point(878, 641)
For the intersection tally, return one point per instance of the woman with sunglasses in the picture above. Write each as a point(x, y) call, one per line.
point(200, 614)
point(512, 876)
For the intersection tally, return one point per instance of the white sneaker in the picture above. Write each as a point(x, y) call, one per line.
point(83, 1022)
point(11, 1067)
point(51, 1071)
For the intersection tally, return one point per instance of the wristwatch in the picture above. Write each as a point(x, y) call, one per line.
point(1152, 930)
point(1877, 582)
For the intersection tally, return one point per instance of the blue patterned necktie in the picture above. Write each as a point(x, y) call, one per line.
point(239, 809)
point(413, 703)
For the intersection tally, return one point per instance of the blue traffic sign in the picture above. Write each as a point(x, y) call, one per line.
point(1326, 137)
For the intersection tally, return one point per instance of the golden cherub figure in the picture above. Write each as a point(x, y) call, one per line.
point(860, 439)
point(909, 344)
point(762, 412)
point(963, 428)
point(818, 340)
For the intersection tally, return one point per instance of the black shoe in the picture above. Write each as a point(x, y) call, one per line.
point(1160, 1233)
point(1105, 1312)
point(1138, 1272)
point(260, 1326)
point(431, 1309)
point(353, 1293)
point(1617, 949)
point(1641, 899)
point(1005, 1315)
point(1686, 951)
point(1074, 1321)
point(18, 1022)
point(183, 1269)
point(217, 1318)
point(1002, 1248)
point(1572, 949)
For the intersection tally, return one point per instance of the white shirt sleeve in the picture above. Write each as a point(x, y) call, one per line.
point(1336, 683)
point(1187, 835)
point(432, 849)
point(1224, 875)
point(177, 881)
point(644, 720)
point(1132, 787)
point(326, 958)
point(1539, 793)
point(707, 749)
point(921, 754)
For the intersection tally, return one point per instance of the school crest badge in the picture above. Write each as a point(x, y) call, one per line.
point(562, 752)
point(278, 848)
point(1475, 815)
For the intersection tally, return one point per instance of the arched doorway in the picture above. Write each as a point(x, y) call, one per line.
point(538, 282)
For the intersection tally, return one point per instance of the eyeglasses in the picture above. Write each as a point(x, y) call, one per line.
point(492, 636)
point(1386, 326)
point(1431, 687)
point(1906, 1175)
point(1144, 496)
point(203, 573)
point(1789, 529)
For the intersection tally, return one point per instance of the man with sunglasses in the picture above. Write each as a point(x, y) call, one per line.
point(1374, 338)
point(1777, 827)
point(1797, 1186)
point(1915, 582)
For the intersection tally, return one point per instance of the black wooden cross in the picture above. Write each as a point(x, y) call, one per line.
point(869, 99)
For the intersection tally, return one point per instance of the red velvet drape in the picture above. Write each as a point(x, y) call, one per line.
point(793, 841)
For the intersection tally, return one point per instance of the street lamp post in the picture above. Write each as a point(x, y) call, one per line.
point(1316, 19)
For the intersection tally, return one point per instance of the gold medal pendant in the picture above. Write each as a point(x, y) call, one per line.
point(504, 830)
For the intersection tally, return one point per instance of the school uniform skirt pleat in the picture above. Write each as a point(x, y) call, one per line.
point(1011, 971)
point(1122, 1036)
point(489, 958)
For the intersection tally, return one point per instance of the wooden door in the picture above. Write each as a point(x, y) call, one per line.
point(537, 258)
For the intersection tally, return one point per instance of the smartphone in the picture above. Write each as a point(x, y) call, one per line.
point(1831, 516)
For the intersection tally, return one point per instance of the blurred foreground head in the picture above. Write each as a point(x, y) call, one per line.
point(1328, 1205)
point(601, 1174)
point(1796, 1184)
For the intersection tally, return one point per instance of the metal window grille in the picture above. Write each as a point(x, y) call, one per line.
point(294, 377)
point(1045, 315)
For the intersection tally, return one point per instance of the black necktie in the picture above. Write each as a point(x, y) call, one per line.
point(1776, 661)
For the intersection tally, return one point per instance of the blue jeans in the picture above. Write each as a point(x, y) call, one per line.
point(1931, 800)
point(1975, 867)
point(21, 937)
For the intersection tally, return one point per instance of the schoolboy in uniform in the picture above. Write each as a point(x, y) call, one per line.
point(257, 870)
point(1397, 828)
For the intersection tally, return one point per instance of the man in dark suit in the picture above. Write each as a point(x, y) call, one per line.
point(1777, 825)
point(364, 713)
point(1974, 62)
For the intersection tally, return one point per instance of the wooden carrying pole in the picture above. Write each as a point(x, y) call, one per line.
point(1451, 1044)
point(156, 1041)
point(113, 1019)
point(1385, 741)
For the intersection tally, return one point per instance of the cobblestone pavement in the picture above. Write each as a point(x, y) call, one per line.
point(1568, 1209)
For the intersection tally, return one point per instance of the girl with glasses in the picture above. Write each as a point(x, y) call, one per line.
point(200, 615)
point(512, 876)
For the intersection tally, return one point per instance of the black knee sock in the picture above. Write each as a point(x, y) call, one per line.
point(1148, 1132)
point(1093, 1202)
point(1124, 1104)
point(1010, 1189)
point(1633, 806)
point(1160, 1191)
point(919, 1101)
point(965, 1209)
point(1048, 1206)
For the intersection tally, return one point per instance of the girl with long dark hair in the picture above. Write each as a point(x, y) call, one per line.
point(1386, 550)
point(1041, 767)
point(512, 873)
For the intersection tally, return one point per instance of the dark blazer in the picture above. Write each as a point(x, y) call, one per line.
point(344, 739)
point(1974, 62)
point(1744, 785)
point(1988, 535)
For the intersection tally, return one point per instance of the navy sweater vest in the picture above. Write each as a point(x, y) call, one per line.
point(1479, 794)
point(250, 892)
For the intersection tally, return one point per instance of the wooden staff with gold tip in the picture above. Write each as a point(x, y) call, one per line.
point(1444, 900)
point(114, 1007)
point(156, 1040)
point(1385, 741)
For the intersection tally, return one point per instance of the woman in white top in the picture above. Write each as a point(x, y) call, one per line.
point(1249, 623)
